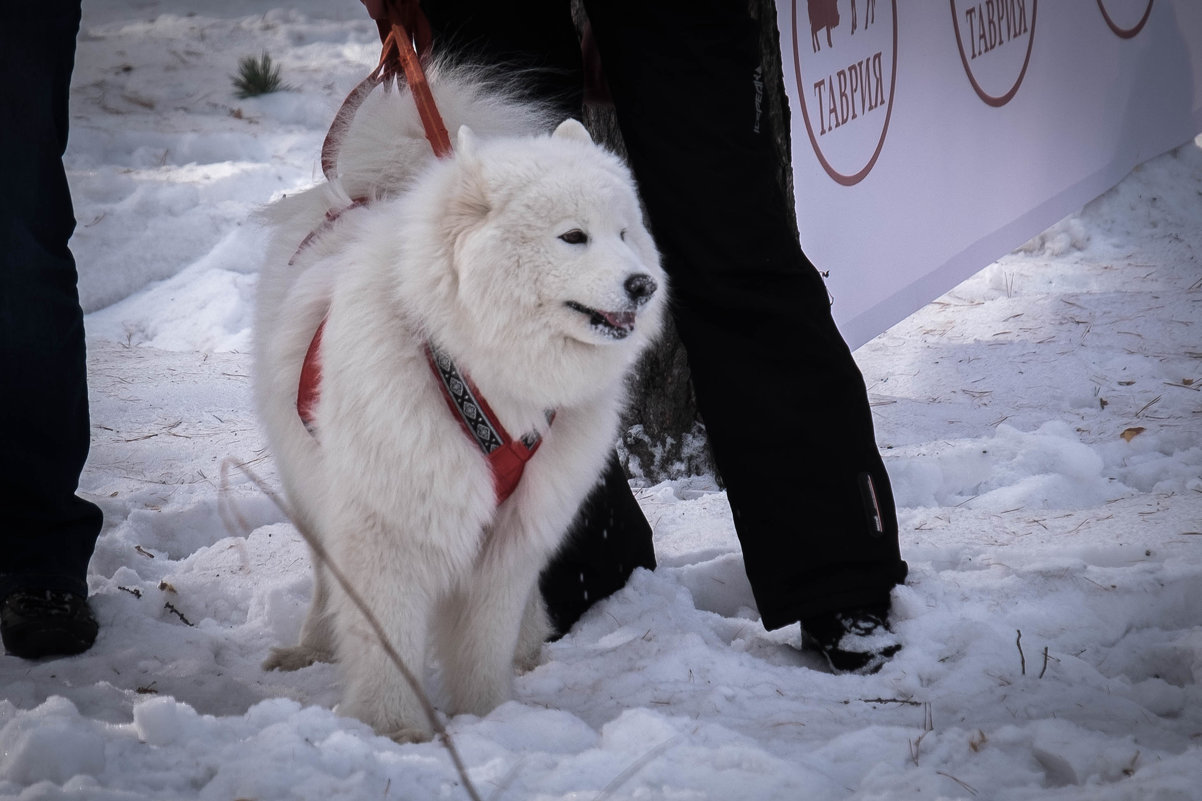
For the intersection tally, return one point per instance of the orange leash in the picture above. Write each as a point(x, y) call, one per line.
point(419, 87)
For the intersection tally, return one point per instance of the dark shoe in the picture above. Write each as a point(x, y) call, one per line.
point(40, 623)
point(857, 641)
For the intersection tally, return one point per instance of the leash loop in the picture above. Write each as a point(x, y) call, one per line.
point(398, 57)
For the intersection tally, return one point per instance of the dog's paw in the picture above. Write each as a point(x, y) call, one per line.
point(399, 729)
point(295, 657)
point(536, 629)
point(405, 735)
point(525, 661)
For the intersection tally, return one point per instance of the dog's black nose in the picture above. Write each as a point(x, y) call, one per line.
point(640, 287)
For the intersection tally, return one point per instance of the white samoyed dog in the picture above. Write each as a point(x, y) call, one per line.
point(523, 260)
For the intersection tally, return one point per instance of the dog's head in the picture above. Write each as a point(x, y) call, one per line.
point(549, 257)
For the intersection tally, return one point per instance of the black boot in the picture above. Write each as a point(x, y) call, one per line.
point(856, 641)
point(41, 623)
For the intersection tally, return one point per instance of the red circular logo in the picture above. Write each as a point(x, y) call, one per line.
point(995, 40)
point(1125, 17)
point(846, 68)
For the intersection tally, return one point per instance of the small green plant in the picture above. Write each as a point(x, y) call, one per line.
point(257, 76)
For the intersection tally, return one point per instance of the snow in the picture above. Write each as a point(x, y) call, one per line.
point(1041, 422)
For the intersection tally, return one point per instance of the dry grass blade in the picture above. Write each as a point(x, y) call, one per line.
point(323, 557)
point(1149, 405)
point(972, 790)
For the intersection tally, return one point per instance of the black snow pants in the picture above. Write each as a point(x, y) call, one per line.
point(784, 404)
point(46, 533)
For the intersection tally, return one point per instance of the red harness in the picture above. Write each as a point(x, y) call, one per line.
point(507, 457)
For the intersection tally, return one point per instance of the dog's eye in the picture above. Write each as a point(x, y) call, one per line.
point(575, 237)
point(622, 234)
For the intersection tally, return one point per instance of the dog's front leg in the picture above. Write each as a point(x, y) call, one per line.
point(500, 619)
point(478, 645)
point(399, 595)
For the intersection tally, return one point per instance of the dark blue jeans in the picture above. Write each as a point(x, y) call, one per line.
point(47, 533)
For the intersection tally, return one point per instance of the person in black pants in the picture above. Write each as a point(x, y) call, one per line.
point(47, 533)
point(784, 404)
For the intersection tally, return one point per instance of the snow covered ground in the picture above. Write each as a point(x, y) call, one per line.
point(1042, 422)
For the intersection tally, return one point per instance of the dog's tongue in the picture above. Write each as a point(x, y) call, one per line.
point(622, 320)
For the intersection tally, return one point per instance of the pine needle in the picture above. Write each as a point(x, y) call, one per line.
point(257, 76)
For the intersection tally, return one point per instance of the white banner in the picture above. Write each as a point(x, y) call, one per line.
point(930, 138)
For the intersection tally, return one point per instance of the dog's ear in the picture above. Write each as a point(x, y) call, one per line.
point(470, 202)
point(465, 143)
point(572, 129)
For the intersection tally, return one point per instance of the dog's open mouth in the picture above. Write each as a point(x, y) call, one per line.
point(616, 325)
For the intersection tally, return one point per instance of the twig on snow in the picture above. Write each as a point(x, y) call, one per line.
point(170, 607)
point(1045, 661)
point(902, 701)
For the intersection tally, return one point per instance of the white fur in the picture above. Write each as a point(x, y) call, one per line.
point(464, 252)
